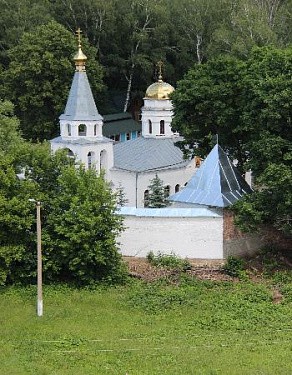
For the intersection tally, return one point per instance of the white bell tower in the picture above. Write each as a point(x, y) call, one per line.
point(81, 124)
point(157, 111)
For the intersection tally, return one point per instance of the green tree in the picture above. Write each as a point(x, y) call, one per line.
point(208, 102)
point(17, 17)
point(79, 224)
point(248, 103)
point(38, 78)
point(157, 197)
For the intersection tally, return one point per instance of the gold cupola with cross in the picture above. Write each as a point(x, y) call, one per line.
point(79, 58)
point(159, 90)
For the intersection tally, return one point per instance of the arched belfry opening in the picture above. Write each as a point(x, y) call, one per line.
point(82, 129)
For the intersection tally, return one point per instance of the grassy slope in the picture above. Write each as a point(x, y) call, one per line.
point(197, 328)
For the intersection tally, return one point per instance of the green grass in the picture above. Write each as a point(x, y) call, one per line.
point(195, 328)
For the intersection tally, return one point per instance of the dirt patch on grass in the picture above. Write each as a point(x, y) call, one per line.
point(202, 269)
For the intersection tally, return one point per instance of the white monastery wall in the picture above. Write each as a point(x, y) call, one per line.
point(186, 237)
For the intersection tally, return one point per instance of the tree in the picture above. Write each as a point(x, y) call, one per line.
point(79, 224)
point(157, 197)
point(248, 103)
point(17, 17)
point(121, 196)
point(208, 102)
point(82, 228)
point(38, 78)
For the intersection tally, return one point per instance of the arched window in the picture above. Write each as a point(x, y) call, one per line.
point(166, 191)
point(103, 160)
point(95, 130)
point(69, 129)
point(146, 198)
point(150, 126)
point(176, 188)
point(162, 127)
point(90, 159)
point(70, 153)
point(82, 130)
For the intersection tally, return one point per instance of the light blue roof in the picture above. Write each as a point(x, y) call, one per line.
point(80, 104)
point(216, 183)
point(169, 212)
point(144, 154)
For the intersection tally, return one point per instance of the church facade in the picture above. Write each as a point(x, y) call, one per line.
point(132, 164)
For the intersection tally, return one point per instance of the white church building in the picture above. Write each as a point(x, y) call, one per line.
point(131, 164)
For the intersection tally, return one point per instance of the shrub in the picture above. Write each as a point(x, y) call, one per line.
point(168, 261)
point(234, 267)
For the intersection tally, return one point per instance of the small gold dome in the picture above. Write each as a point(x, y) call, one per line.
point(79, 58)
point(159, 90)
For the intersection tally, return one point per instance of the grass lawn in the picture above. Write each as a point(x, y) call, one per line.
point(198, 327)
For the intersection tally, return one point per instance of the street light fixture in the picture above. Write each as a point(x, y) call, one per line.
point(39, 258)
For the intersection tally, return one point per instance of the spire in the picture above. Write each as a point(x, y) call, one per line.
point(79, 58)
point(80, 104)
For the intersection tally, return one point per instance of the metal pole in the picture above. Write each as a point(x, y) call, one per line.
point(39, 261)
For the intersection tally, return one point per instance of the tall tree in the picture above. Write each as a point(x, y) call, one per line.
point(249, 105)
point(17, 17)
point(38, 78)
point(207, 103)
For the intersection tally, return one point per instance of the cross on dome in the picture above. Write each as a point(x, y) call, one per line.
point(80, 58)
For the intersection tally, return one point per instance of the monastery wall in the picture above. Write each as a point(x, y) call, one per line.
point(186, 237)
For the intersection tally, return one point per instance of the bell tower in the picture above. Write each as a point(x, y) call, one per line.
point(81, 124)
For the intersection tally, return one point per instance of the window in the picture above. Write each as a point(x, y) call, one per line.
point(69, 129)
point(82, 130)
point(146, 198)
point(103, 160)
point(95, 130)
point(128, 136)
point(176, 188)
point(166, 191)
point(117, 137)
point(70, 153)
point(150, 126)
point(139, 133)
point(162, 127)
point(89, 160)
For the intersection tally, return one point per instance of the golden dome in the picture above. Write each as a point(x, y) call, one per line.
point(159, 90)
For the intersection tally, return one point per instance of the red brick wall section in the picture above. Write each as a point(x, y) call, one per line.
point(268, 235)
point(230, 231)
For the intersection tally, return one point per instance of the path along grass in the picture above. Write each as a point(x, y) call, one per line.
point(142, 329)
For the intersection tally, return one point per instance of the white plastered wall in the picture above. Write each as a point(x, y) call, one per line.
point(187, 237)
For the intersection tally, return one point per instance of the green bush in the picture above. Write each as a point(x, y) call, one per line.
point(234, 267)
point(168, 261)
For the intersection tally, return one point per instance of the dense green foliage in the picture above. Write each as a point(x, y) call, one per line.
point(39, 75)
point(248, 104)
point(79, 226)
point(157, 197)
point(196, 327)
point(130, 36)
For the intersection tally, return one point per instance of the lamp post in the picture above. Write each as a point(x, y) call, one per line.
point(39, 258)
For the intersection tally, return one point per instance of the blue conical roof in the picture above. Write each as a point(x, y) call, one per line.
point(216, 183)
point(80, 104)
